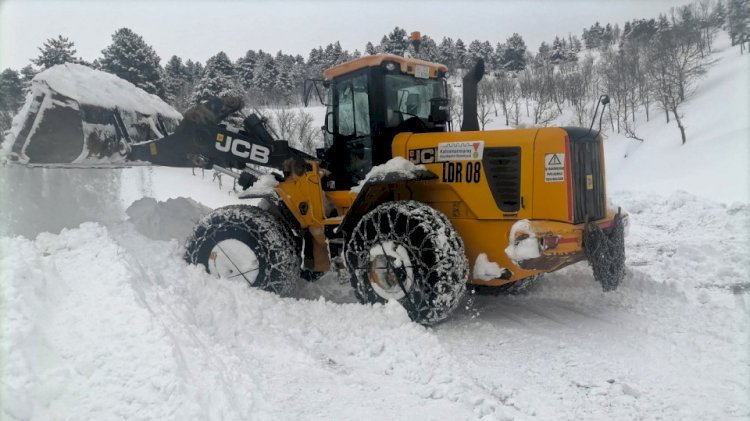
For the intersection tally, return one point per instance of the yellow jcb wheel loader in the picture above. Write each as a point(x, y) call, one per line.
point(405, 208)
point(408, 210)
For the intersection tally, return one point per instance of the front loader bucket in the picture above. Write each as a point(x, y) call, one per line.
point(78, 115)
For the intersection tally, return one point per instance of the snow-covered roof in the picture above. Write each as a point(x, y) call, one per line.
point(98, 88)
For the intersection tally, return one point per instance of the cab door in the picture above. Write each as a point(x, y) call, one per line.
point(349, 155)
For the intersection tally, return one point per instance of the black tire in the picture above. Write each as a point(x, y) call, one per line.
point(520, 287)
point(605, 252)
point(439, 268)
point(278, 264)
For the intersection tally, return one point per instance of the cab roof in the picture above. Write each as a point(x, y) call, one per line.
point(408, 65)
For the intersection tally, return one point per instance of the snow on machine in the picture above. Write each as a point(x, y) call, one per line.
point(403, 207)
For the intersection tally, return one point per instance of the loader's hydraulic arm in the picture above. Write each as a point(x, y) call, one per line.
point(200, 140)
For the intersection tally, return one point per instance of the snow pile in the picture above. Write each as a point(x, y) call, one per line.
point(263, 186)
point(671, 343)
point(486, 270)
point(168, 220)
point(35, 200)
point(397, 165)
point(104, 323)
point(527, 247)
point(102, 89)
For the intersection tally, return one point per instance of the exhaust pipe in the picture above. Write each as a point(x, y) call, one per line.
point(471, 80)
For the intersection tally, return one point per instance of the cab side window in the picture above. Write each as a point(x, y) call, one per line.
point(353, 107)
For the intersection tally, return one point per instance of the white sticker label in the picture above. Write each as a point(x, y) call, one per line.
point(422, 72)
point(554, 167)
point(470, 150)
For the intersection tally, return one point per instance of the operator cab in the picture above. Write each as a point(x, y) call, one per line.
point(372, 99)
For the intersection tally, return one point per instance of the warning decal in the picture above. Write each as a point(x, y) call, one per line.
point(460, 151)
point(554, 167)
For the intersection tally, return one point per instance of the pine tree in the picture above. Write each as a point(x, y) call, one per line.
point(558, 53)
point(515, 53)
point(370, 49)
point(498, 59)
point(246, 68)
point(395, 42)
point(428, 50)
point(56, 51)
point(11, 98)
point(285, 81)
point(11, 91)
point(177, 86)
point(544, 50)
point(130, 58)
point(28, 74)
point(218, 79)
point(266, 76)
point(460, 52)
point(447, 52)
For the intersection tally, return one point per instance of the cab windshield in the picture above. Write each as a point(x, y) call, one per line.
point(408, 97)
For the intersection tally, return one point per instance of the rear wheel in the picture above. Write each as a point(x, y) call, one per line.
point(410, 253)
point(605, 252)
point(246, 243)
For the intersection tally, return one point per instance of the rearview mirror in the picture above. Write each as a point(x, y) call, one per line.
point(328, 127)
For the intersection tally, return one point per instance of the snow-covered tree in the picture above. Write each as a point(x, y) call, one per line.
point(395, 42)
point(478, 49)
point(370, 49)
point(11, 90)
point(56, 51)
point(11, 97)
point(246, 68)
point(447, 52)
point(27, 74)
point(219, 79)
point(460, 52)
point(130, 58)
point(514, 57)
point(177, 84)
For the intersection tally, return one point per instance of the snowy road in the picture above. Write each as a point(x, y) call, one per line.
point(104, 323)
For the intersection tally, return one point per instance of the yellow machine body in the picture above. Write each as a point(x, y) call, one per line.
point(462, 191)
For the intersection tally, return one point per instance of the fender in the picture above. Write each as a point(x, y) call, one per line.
point(378, 190)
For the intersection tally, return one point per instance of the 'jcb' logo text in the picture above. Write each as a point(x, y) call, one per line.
point(243, 148)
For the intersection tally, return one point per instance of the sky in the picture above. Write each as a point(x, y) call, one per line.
point(199, 29)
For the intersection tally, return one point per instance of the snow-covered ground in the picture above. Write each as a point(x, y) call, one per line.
point(104, 320)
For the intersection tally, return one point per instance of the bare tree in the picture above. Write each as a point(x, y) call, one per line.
point(484, 104)
point(309, 135)
point(676, 65)
point(455, 102)
point(538, 83)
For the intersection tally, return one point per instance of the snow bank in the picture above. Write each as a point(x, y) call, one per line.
point(715, 160)
point(94, 87)
point(168, 220)
point(104, 323)
point(671, 343)
point(394, 165)
point(35, 200)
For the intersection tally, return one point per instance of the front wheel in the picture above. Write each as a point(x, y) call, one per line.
point(246, 243)
point(410, 253)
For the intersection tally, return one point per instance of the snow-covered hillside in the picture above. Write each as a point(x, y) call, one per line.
point(104, 320)
point(714, 161)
